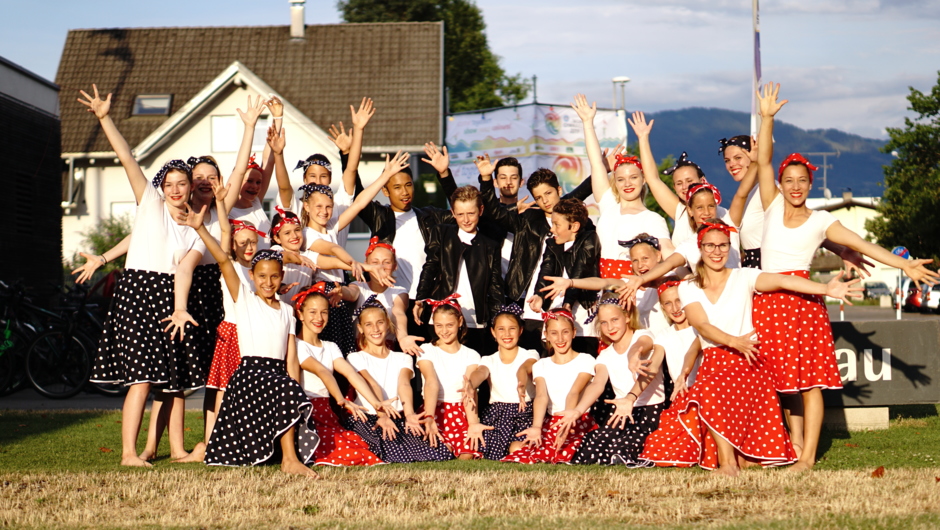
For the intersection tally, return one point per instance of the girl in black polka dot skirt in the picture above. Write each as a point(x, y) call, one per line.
point(639, 395)
point(264, 403)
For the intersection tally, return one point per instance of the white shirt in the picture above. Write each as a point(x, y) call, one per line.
point(160, 244)
point(559, 378)
point(341, 202)
point(262, 330)
point(311, 235)
point(682, 231)
point(527, 312)
point(384, 371)
point(503, 380)
point(505, 253)
point(676, 344)
point(622, 379)
point(386, 298)
point(613, 227)
point(244, 274)
point(450, 369)
point(325, 355)
point(409, 248)
point(732, 312)
point(791, 249)
point(215, 230)
point(692, 254)
point(651, 313)
point(256, 216)
point(299, 274)
point(752, 224)
point(464, 289)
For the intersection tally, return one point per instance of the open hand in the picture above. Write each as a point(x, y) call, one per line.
point(99, 107)
point(558, 286)
point(341, 138)
point(475, 436)
point(639, 124)
point(389, 430)
point(437, 158)
point(622, 413)
point(585, 112)
point(277, 141)
point(250, 116)
point(840, 290)
point(361, 117)
point(409, 345)
point(92, 263)
point(769, 106)
point(532, 436)
point(747, 346)
point(484, 165)
point(177, 322)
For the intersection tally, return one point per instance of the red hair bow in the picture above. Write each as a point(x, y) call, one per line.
point(374, 244)
point(553, 314)
point(238, 226)
point(796, 158)
point(252, 164)
point(285, 220)
point(703, 185)
point(451, 300)
point(621, 160)
point(299, 298)
point(708, 227)
point(666, 285)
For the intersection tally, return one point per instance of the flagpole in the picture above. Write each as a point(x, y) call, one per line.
point(756, 75)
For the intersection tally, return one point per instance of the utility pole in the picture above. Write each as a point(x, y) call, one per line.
point(825, 167)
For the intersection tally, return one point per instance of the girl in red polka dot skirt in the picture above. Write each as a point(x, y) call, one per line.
point(794, 328)
point(319, 359)
point(732, 414)
point(446, 364)
point(560, 380)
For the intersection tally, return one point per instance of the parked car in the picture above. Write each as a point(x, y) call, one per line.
point(876, 290)
point(923, 300)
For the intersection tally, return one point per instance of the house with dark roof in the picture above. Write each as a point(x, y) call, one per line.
point(176, 91)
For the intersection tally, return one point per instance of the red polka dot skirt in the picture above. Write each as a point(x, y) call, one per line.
point(546, 452)
point(226, 357)
point(735, 400)
point(616, 268)
point(338, 446)
point(452, 422)
point(796, 339)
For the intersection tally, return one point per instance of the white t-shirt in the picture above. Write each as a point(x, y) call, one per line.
point(299, 274)
point(464, 289)
point(752, 224)
point(505, 253)
point(682, 231)
point(325, 355)
point(613, 227)
point(384, 371)
point(386, 297)
point(622, 379)
point(244, 274)
point(409, 248)
point(676, 344)
point(692, 254)
point(503, 380)
point(215, 230)
point(559, 378)
point(791, 249)
point(651, 313)
point(527, 312)
point(732, 312)
point(450, 369)
point(311, 235)
point(262, 330)
point(160, 244)
point(256, 216)
point(341, 202)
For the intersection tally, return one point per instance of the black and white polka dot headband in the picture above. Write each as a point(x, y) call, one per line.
point(194, 161)
point(371, 301)
point(738, 141)
point(307, 163)
point(310, 189)
point(267, 255)
point(682, 162)
point(170, 166)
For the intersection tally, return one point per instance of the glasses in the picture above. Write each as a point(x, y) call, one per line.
point(711, 247)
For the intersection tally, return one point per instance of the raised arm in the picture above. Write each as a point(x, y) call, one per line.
point(277, 143)
point(360, 118)
point(739, 201)
point(914, 268)
point(440, 161)
point(393, 166)
point(195, 220)
point(510, 221)
point(666, 198)
point(765, 171)
point(101, 109)
point(599, 181)
point(235, 180)
point(836, 288)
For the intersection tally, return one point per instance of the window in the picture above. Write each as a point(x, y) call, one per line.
point(153, 105)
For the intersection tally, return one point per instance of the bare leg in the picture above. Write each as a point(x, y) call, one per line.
point(210, 405)
point(515, 446)
point(177, 418)
point(793, 409)
point(131, 417)
point(813, 411)
point(289, 462)
point(727, 462)
point(159, 415)
point(466, 456)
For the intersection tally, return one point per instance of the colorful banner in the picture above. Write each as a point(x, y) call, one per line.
point(537, 135)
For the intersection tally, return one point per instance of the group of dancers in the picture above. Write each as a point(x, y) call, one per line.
point(494, 329)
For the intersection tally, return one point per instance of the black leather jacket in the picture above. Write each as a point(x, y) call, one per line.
point(530, 229)
point(380, 218)
point(439, 275)
point(582, 260)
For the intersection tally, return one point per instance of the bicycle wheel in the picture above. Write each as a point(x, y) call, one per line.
point(58, 364)
point(13, 346)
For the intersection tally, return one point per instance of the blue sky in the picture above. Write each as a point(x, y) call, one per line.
point(843, 64)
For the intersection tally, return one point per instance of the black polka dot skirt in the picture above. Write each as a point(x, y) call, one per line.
point(261, 403)
point(339, 329)
point(506, 420)
point(404, 449)
point(133, 347)
point(612, 445)
point(205, 306)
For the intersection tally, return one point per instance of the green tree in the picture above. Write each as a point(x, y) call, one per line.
point(98, 240)
point(471, 71)
point(910, 209)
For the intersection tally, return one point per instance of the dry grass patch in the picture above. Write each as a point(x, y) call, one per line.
point(399, 496)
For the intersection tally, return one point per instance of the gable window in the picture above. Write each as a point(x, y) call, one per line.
point(152, 105)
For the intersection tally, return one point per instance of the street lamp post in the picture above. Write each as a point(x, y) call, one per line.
point(621, 80)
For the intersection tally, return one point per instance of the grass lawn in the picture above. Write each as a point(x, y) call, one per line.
point(59, 469)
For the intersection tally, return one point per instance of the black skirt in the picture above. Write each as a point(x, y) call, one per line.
point(133, 347)
point(506, 421)
point(261, 403)
point(612, 445)
point(750, 258)
point(339, 329)
point(404, 449)
point(205, 306)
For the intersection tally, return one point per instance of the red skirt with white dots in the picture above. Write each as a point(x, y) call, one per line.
point(338, 446)
point(226, 357)
point(546, 452)
point(616, 268)
point(796, 339)
point(735, 400)
point(451, 419)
